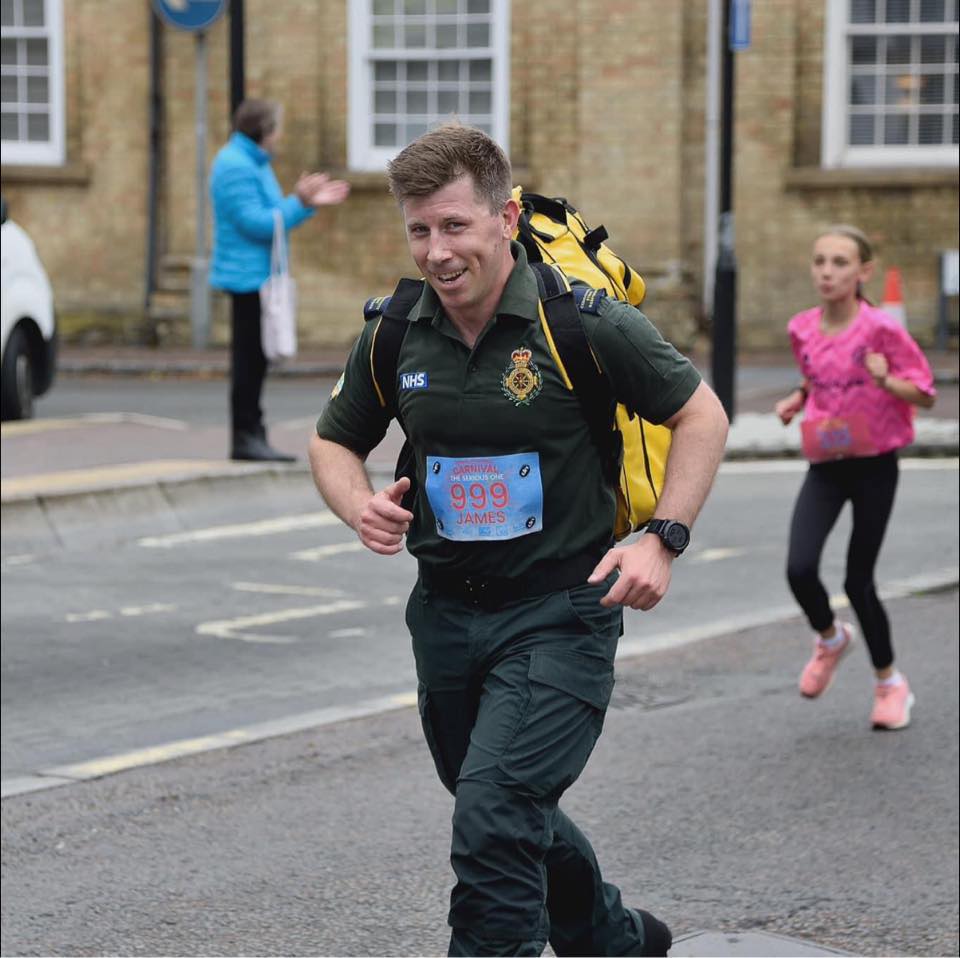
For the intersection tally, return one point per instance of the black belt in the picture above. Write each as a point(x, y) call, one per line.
point(493, 591)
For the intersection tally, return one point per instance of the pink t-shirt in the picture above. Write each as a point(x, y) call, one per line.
point(846, 413)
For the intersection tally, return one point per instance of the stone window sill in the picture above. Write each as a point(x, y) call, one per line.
point(817, 178)
point(70, 174)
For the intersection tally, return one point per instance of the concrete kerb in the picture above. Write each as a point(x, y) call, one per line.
point(130, 510)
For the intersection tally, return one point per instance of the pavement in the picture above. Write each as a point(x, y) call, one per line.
point(63, 479)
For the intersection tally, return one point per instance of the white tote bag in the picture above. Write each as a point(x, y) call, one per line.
point(278, 300)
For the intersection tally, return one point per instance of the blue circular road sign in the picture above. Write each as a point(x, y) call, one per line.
point(189, 14)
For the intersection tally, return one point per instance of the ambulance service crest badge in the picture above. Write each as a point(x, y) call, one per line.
point(521, 381)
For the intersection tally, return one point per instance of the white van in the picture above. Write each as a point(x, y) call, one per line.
point(29, 325)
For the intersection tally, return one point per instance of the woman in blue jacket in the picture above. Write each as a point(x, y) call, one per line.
point(245, 193)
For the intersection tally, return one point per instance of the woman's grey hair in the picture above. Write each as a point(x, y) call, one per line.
point(257, 118)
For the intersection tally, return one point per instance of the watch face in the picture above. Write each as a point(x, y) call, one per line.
point(677, 536)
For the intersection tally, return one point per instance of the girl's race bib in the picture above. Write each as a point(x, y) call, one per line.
point(837, 437)
point(485, 497)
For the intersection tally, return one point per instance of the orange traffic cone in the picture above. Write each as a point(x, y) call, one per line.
point(893, 297)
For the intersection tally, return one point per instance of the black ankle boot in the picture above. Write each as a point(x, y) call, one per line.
point(251, 447)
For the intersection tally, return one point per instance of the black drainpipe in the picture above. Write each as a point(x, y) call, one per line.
point(153, 173)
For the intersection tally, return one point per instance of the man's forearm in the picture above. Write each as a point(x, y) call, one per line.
point(696, 450)
point(341, 479)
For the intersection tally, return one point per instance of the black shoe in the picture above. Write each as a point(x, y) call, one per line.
point(250, 447)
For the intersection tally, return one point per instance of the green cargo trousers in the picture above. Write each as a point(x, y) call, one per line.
point(512, 702)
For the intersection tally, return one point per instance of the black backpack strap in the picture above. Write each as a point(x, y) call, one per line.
point(592, 389)
point(388, 337)
point(384, 358)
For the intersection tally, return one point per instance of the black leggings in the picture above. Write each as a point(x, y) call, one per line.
point(870, 484)
point(248, 365)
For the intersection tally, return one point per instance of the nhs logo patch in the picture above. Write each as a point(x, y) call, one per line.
point(414, 380)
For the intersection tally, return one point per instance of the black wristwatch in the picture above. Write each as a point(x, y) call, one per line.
point(675, 535)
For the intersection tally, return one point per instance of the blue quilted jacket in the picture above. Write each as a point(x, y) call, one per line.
point(245, 192)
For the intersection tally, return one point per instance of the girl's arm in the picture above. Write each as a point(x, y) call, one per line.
point(904, 389)
point(790, 405)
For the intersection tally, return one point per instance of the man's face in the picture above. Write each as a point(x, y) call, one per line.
point(460, 246)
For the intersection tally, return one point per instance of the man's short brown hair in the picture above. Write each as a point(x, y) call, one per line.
point(443, 155)
point(256, 118)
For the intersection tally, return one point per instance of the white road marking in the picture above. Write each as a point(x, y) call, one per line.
point(714, 555)
point(263, 527)
point(95, 615)
point(268, 589)
point(96, 768)
point(231, 628)
point(346, 633)
point(324, 552)
point(23, 559)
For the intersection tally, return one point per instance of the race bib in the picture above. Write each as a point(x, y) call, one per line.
point(485, 497)
point(837, 438)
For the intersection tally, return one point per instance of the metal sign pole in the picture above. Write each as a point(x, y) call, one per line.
point(199, 291)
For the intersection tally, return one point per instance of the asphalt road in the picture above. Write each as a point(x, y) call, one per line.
point(717, 798)
point(252, 617)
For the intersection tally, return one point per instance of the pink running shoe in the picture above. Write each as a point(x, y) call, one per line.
point(817, 674)
point(891, 706)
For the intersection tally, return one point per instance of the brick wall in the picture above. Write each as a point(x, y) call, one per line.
point(607, 108)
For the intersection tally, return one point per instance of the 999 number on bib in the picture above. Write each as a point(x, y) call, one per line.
point(485, 497)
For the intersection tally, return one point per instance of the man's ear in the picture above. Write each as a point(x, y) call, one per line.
point(511, 216)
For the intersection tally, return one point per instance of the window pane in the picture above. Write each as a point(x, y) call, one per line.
point(37, 53)
point(414, 130)
point(33, 13)
point(8, 89)
point(6, 18)
point(898, 11)
point(863, 50)
point(480, 101)
point(480, 70)
point(863, 90)
point(415, 35)
point(385, 134)
point(956, 129)
point(383, 35)
point(8, 51)
point(898, 90)
point(898, 49)
point(932, 11)
point(416, 101)
point(37, 90)
point(448, 101)
point(446, 35)
point(385, 71)
point(933, 49)
point(382, 7)
point(38, 127)
point(478, 6)
point(448, 70)
point(863, 11)
point(931, 130)
point(447, 6)
point(861, 130)
point(385, 101)
point(8, 126)
point(478, 34)
point(896, 129)
point(932, 88)
point(416, 7)
point(417, 71)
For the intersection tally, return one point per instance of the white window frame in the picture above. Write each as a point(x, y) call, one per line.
point(362, 154)
point(52, 151)
point(835, 151)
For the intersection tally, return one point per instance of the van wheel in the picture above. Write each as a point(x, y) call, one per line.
point(16, 378)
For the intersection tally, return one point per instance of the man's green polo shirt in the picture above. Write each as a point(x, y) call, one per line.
point(469, 403)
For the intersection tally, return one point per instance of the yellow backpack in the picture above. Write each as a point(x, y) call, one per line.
point(571, 262)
